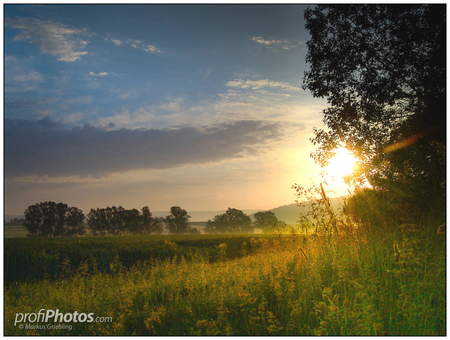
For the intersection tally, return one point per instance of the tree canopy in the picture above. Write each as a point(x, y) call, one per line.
point(233, 221)
point(50, 219)
point(178, 221)
point(382, 69)
point(118, 221)
point(267, 221)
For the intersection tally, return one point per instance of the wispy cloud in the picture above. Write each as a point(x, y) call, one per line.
point(261, 40)
point(117, 42)
point(51, 37)
point(283, 44)
point(20, 75)
point(144, 47)
point(73, 117)
point(100, 74)
point(80, 100)
point(125, 95)
point(262, 83)
point(138, 44)
point(47, 148)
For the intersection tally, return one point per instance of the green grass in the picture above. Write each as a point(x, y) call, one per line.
point(13, 231)
point(235, 284)
point(33, 259)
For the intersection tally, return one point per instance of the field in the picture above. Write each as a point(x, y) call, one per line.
point(12, 231)
point(284, 284)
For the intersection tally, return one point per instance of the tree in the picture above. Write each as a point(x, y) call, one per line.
point(48, 219)
point(267, 221)
point(382, 69)
point(233, 221)
point(150, 224)
point(97, 221)
point(132, 221)
point(118, 221)
point(178, 221)
point(74, 220)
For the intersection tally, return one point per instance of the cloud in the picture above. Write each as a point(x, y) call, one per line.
point(138, 44)
point(146, 48)
point(258, 84)
point(20, 75)
point(283, 44)
point(172, 106)
point(47, 148)
point(125, 95)
point(117, 42)
point(73, 117)
point(100, 74)
point(266, 42)
point(51, 37)
point(83, 100)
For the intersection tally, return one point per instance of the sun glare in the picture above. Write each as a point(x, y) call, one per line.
point(342, 163)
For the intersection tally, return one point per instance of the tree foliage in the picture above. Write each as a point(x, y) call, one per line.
point(50, 219)
point(118, 221)
point(178, 221)
point(382, 69)
point(267, 221)
point(233, 221)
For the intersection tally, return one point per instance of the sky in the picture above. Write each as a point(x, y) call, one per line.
point(197, 106)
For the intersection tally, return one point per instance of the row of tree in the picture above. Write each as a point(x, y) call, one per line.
point(50, 219)
point(236, 221)
point(118, 221)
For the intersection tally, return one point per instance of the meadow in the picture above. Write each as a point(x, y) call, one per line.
point(294, 283)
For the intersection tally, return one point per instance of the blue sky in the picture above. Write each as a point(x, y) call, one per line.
point(198, 106)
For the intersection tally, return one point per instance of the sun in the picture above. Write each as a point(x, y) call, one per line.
point(342, 164)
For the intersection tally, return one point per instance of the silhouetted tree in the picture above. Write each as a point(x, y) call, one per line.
point(178, 221)
point(118, 221)
point(132, 221)
point(49, 219)
point(382, 69)
point(267, 221)
point(233, 221)
point(97, 221)
point(150, 224)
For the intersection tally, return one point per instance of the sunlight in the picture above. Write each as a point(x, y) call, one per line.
point(342, 164)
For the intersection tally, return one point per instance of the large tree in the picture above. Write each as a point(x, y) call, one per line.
point(233, 221)
point(382, 69)
point(50, 219)
point(178, 221)
point(267, 221)
point(149, 223)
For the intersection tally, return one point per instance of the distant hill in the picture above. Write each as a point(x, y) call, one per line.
point(291, 213)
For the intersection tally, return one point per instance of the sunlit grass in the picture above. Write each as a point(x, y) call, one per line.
point(278, 285)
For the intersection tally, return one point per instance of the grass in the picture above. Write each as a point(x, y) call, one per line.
point(13, 231)
point(291, 284)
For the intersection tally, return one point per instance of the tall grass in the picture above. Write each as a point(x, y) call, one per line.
point(292, 284)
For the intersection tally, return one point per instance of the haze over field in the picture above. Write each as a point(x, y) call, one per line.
point(156, 105)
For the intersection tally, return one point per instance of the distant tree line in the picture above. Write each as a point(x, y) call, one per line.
point(50, 219)
point(118, 221)
point(236, 221)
